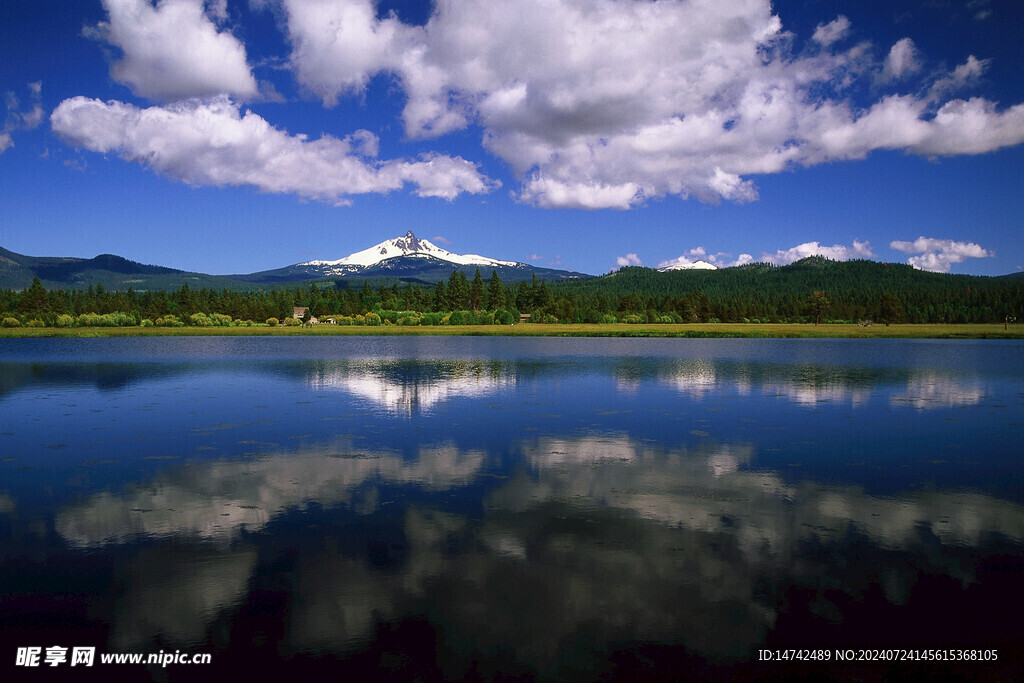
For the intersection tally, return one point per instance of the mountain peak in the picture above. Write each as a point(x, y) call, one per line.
point(409, 246)
point(689, 265)
point(410, 243)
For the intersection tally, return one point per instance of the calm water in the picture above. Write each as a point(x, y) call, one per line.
point(537, 508)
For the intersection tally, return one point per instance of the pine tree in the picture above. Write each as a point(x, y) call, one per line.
point(476, 292)
point(33, 299)
point(495, 293)
point(458, 291)
point(440, 297)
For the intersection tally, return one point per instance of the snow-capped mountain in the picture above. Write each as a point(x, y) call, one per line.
point(407, 258)
point(408, 245)
point(692, 265)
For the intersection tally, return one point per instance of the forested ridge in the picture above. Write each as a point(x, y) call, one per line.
point(812, 290)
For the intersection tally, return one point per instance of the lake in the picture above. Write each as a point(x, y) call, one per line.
point(539, 508)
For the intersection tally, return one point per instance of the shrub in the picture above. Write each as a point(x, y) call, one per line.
point(412, 319)
point(65, 320)
point(373, 319)
point(121, 319)
point(431, 319)
point(273, 322)
point(503, 317)
point(169, 320)
point(292, 322)
point(36, 322)
point(11, 322)
point(200, 320)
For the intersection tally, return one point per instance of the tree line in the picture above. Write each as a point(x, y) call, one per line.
point(814, 290)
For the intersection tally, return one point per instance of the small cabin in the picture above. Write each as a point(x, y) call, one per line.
point(299, 312)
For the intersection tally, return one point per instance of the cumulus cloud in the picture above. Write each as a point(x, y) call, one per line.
point(937, 255)
point(901, 62)
point(593, 105)
point(338, 46)
point(782, 257)
point(211, 142)
point(19, 117)
point(837, 252)
point(607, 104)
point(173, 50)
point(719, 260)
point(962, 76)
point(829, 33)
point(628, 260)
point(218, 9)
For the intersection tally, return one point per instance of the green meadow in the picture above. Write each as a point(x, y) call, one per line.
point(692, 330)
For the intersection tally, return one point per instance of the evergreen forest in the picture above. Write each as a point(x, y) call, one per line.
point(814, 290)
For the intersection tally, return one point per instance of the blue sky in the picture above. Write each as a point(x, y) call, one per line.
point(232, 136)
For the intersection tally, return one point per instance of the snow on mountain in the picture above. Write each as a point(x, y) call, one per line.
point(408, 245)
point(690, 265)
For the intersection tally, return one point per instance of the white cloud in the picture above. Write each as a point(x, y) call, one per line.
point(829, 33)
point(720, 259)
point(837, 252)
point(981, 9)
point(608, 104)
point(212, 143)
point(173, 50)
point(18, 118)
point(552, 193)
point(218, 9)
point(628, 260)
point(338, 46)
point(939, 255)
point(901, 62)
point(782, 257)
point(964, 75)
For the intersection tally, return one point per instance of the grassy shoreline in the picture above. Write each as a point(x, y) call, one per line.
point(695, 330)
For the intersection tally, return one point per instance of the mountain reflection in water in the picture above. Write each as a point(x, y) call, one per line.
point(543, 516)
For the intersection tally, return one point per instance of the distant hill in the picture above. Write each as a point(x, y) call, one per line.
point(406, 259)
point(756, 292)
point(808, 274)
point(113, 272)
point(855, 290)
